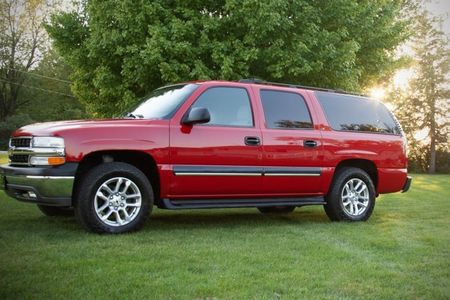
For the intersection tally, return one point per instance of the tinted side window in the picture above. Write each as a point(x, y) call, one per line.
point(353, 113)
point(227, 106)
point(285, 110)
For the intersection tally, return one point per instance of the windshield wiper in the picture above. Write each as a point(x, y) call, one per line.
point(131, 115)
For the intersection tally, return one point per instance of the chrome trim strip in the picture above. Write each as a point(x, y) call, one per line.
point(215, 174)
point(244, 174)
point(39, 151)
point(50, 177)
point(292, 174)
point(218, 170)
point(273, 171)
point(18, 163)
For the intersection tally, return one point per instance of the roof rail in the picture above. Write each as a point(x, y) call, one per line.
point(291, 85)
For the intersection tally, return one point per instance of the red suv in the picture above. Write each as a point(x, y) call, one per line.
point(213, 144)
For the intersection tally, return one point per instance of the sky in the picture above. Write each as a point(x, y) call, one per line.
point(441, 7)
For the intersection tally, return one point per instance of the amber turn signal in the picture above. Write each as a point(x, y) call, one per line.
point(47, 161)
point(52, 161)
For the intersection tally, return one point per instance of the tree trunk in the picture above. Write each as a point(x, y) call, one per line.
point(432, 165)
point(432, 168)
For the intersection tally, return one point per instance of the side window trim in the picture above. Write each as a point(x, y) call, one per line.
point(308, 109)
point(223, 125)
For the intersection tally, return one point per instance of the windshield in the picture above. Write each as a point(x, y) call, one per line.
point(161, 103)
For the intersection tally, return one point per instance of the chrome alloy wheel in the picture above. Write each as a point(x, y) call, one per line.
point(117, 201)
point(355, 197)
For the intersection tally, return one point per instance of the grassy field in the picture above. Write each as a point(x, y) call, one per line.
point(403, 251)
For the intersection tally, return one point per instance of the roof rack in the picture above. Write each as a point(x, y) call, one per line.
point(291, 85)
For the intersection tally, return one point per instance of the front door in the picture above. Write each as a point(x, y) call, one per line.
point(221, 158)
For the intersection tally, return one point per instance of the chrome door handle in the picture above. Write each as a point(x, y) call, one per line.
point(310, 144)
point(252, 141)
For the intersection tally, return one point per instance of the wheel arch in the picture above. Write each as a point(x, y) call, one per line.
point(141, 160)
point(364, 164)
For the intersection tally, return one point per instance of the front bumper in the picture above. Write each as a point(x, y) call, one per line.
point(47, 185)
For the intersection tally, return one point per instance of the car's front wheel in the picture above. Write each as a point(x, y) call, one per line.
point(114, 198)
point(351, 196)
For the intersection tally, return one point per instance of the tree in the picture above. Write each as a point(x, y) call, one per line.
point(425, 105)
point(47, 91)
point(120, 50)
point(22, 42)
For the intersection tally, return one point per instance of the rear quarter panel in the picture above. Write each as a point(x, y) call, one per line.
point(386, 151)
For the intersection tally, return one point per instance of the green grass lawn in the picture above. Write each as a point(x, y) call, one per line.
point(403, 251)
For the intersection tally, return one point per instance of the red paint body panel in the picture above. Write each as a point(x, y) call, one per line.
point(213, 146)
point(391, 180)
point(171, 144)
point(84, 137)
point(284, 148)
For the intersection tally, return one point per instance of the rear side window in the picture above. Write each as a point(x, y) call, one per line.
point(352, 113)
point(227, 106)
point(284, 110)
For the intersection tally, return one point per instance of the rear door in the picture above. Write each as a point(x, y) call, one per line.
point(221, 158)
point(292, 148)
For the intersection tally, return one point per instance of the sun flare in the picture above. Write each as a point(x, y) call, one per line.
point(377, 93)
point(402, 78)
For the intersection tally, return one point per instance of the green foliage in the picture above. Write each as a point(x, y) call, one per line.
point(22, 42)
point(11, 124)
point(45, 96)
point(53, 99)
point(121, 50)
point(425, 105)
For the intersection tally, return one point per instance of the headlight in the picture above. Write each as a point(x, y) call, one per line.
point(48, 151)
point(47, 142)
point(47, 161)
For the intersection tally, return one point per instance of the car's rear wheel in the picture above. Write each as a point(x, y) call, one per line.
point(276, 209)
point(114, 198)
point(351, 197)
point(56, 211)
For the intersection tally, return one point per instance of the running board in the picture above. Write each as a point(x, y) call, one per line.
point(235, 203)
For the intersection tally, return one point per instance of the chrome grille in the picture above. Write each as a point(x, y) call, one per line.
point(21, 142)
point(19, 150)
point(21, 159)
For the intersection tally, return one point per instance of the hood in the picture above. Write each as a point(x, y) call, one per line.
point(55, 128)
point(82, 137)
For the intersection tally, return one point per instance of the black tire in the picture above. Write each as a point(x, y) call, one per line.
point(336, 208)
point(56, 211)
point(85, 210)
point(276, 209)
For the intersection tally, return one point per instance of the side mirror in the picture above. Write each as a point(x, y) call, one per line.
point(197, 115)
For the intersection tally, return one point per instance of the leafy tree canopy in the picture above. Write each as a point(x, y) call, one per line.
point(120, 50)
point(45, 95)
point(425, 104)
point(22, 42)
point(46, 92)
